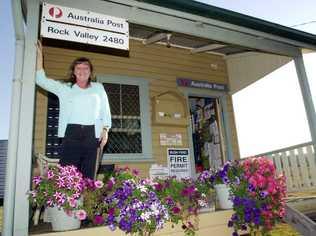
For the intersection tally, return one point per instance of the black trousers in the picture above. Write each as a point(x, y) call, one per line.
point(79, 148)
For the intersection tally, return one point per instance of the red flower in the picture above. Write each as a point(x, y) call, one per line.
point(188, 191)
point(176, 210)
point(111, 211)
point(98, 220)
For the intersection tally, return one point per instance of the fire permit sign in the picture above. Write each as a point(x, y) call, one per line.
point(179, 162)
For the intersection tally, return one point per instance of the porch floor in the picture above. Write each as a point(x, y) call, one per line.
point(215, 222)
point(211, 223)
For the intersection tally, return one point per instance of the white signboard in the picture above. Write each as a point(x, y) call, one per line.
point(170, 139)
point(84, 35)
point(84, 18)
point(158, 171)
point(179, 162)
point(81, 26)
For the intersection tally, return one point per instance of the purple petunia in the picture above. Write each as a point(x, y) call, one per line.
point(264, 194)
point(230, 223)
point(235, 233)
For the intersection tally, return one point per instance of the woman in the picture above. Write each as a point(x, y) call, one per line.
point(84, 116)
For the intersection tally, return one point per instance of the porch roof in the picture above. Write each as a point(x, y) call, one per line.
point(212, 12)
point(195, 25)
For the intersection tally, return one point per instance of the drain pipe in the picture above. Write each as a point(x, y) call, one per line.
point(10, 179)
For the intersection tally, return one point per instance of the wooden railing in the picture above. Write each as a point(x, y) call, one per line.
point(298, 164)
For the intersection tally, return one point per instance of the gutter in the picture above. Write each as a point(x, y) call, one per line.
point(10, 180)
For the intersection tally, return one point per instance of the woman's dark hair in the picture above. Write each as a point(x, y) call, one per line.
point(80, 60)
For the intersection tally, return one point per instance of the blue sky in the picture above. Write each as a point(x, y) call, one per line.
point(283, 12)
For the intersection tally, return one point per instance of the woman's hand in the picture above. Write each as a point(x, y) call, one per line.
point(103, 138)
point(39, 55)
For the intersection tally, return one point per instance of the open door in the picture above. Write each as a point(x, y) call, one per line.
point(206, 133)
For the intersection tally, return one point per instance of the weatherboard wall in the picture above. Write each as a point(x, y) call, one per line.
point(157, 64)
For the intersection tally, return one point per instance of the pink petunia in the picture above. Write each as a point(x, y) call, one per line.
point(50, 174)
point(33, 193)
point(50, 202)
point(37, 180)
point(135, 172)
point(72, 202)
point(98, 184)
point(110, 184)
point(81, 214)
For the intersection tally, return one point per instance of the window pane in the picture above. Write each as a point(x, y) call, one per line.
point(130, 105)
point(124, 142)
point(114, 95)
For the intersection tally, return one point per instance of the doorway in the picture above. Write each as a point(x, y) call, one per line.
point(206, 133)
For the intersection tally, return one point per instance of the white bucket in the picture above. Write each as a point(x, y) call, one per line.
point(222, 192)
point(61, 221)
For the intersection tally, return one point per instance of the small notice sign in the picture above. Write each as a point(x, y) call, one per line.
point(158, 171)
point(179, 162)
point(170, 139)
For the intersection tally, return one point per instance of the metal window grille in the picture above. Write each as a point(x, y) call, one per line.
point(125, 135)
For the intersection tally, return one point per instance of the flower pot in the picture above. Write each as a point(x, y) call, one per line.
point(62, 221)
point(222, 192)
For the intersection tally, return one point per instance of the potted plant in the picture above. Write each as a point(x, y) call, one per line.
point(127, 202)
point(142, 206)
point(60, 189)
point(222, 179)
point(183, 199)
point(258, 197)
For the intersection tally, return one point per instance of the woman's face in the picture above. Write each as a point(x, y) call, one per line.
point(82, 72)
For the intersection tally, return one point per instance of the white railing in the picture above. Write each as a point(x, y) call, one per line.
point(298, 164)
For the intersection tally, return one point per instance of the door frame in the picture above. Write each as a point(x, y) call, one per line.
point(222, 98)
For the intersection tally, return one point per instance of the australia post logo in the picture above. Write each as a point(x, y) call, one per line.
point(55, 12)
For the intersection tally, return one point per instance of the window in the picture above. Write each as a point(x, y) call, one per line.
point(130, 136)
point(126, 120)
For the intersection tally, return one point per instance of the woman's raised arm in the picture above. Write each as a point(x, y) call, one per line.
point(50, 85)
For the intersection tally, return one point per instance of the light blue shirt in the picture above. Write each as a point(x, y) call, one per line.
point(88, 106)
